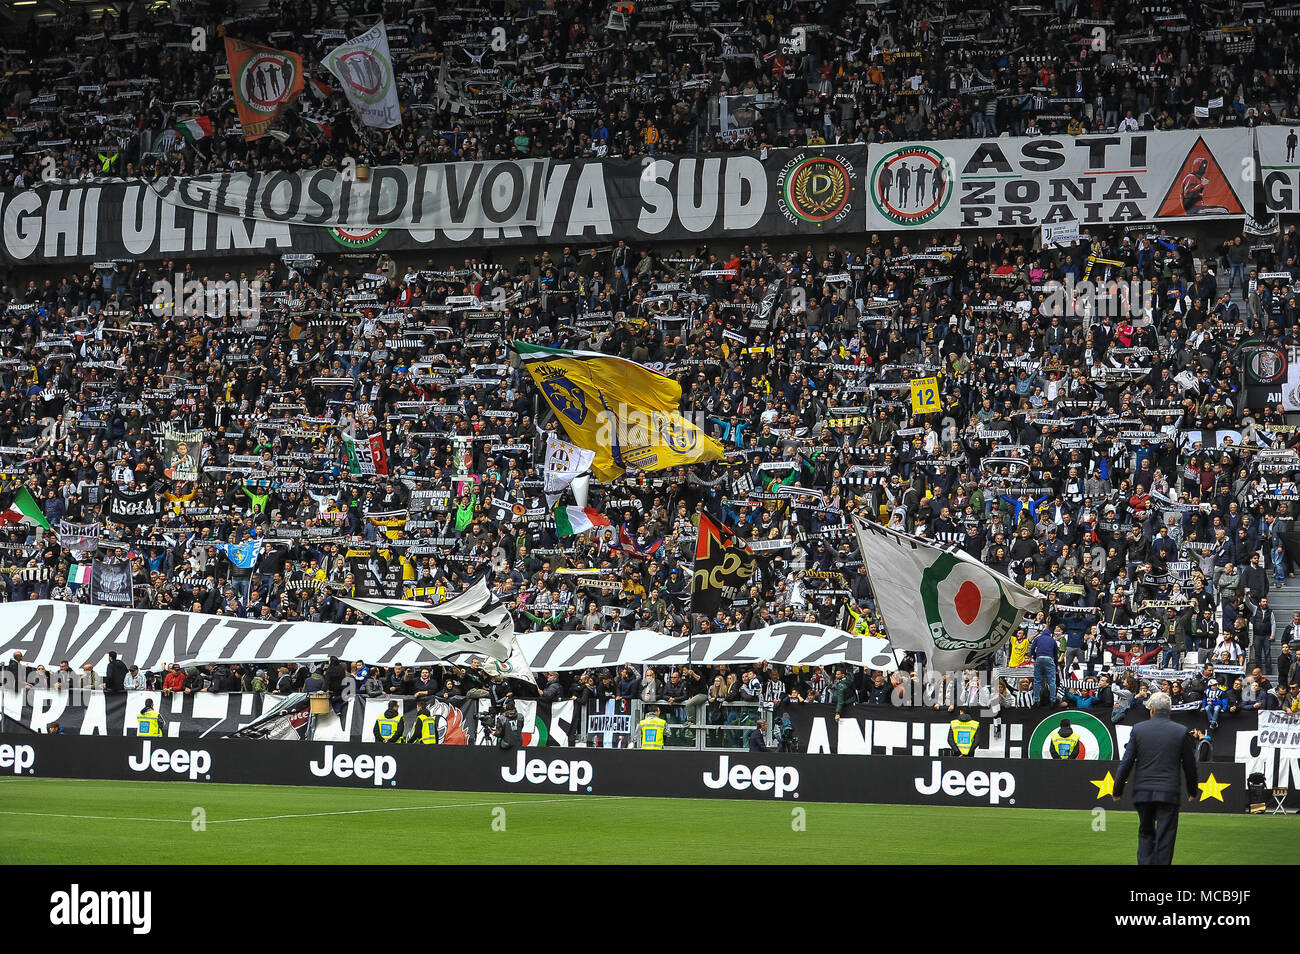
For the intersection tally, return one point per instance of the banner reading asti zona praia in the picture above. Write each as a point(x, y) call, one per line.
point(830, 190)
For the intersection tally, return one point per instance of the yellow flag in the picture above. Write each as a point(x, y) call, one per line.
point(624, 412)
point(925, 395)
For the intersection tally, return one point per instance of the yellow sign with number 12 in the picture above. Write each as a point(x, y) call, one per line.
point(925, 395)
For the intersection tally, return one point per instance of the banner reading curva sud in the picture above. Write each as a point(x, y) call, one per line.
point(805, 192)
point(1031, 181)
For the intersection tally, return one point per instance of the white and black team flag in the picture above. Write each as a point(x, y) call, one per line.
point(364, 68)
point(80, 538)
point(376, 573)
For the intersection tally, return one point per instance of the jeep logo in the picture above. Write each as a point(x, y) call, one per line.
point(181, 761)
point(778, 779)
point(576, 773)
point(380, 768)
point(17, 757)
point(994, 785)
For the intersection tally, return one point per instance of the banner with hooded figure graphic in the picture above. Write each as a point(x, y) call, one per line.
point(941, 602)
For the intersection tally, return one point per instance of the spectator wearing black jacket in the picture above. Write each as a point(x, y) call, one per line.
point(1254, 579)
point(553, 690)
point(425, 684)
point(115, 675)
point(335, 673)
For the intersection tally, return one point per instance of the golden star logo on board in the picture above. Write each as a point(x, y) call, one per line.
point(1105, 786)
point(1212, 788)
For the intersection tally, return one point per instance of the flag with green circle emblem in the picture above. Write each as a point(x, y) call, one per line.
point(941, 602)
point(364, 68)
point(1096, 738)
point(265, 81)
point(473, 624)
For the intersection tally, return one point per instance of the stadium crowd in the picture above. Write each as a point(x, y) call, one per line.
point(575, 78)
point(1106, 457)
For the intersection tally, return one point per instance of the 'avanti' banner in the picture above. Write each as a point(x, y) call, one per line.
point(50, 631)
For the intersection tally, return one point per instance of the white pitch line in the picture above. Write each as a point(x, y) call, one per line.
point(404, 808)
point(311, 814)
point(354, 811)
point(184, 821)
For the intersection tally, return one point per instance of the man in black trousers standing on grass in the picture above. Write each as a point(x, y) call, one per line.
point(1157, 751)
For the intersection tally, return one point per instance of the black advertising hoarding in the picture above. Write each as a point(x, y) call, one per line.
point(901, 780)
point(804, 192)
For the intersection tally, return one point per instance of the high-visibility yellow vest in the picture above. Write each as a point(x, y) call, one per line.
point(388, 729)
point(651, 732)
point(1063, 747)
point(148, 724)
point(964, 735)
point(428, 730)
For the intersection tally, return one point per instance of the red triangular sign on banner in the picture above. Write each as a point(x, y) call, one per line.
point(1200, 187)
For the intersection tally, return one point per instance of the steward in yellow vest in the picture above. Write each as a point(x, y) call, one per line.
point(1063, 743)
point(963, 735)
point(388, 727)
point(650, 730)
point(149, 723)
point(426, 727)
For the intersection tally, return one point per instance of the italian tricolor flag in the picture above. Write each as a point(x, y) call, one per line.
point(79, 574)
point(200, 127)
point(25, 511)
point(571, 520)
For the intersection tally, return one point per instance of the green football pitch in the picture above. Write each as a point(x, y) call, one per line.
point(68, 821)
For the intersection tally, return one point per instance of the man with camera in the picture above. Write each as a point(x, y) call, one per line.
point(509, 728)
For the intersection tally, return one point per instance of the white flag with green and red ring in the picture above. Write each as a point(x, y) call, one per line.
point(475, 622)
point(944, 603)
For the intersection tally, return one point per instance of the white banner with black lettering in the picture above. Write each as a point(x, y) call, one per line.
point(1015, 181)
point(795, 644)
point(1280, 730)
point(47, 631)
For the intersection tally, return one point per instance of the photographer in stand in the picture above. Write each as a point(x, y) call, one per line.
point(509, 728)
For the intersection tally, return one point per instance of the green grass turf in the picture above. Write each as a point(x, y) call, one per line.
point(150, 823)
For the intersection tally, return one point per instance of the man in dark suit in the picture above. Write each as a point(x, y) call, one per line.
point(1157, 750)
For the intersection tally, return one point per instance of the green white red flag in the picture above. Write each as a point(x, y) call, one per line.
point(574, 520)
point(25, 511)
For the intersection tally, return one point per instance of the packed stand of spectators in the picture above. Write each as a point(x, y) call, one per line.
point(104, 95)
point(1087, 453)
